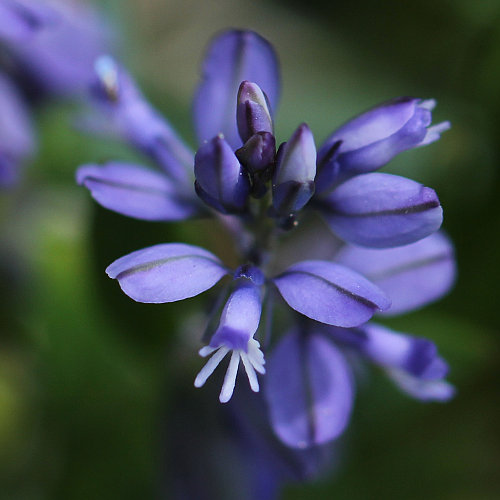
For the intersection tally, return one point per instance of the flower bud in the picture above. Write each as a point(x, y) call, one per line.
point(293, 181)
point(252, 111)
point(220, 179)
point(258, 153)
point(371, 140)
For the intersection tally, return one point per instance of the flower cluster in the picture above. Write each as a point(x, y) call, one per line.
point(47, 48)
point(390, 259)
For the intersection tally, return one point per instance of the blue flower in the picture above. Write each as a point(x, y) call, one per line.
point(261, 195)
point(50, 48)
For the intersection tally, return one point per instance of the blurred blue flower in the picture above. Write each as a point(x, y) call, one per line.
point(260, 195)
point(48, 49)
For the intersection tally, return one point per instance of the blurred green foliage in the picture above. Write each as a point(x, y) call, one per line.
point(88, 378)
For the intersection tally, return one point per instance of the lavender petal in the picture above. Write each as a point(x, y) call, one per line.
point(133, 119)
point(167, 272)
point(135, 191)
point(412, 275)
point(330, 293)
point(233, 56)
point(382, 210)
point(309, 390)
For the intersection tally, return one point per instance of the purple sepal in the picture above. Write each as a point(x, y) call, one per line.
point(166, 272)
point(258, 153)
point(382, 210)
point(330, 293)
point(412, 275)
point(20, 20)
point(252, 111)
point(293, 180)
point(136, 191)
point(309, 390)
point(232, 57)
point(240, 317)
point(372, 139)
point(136, 121)
point(220, 179)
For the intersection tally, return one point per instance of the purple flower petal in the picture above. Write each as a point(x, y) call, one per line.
point(372, 139)
point(383, 210)
point(20, 20)
point(309, 390)
point(233, 56)
point(135, 191)
point(330, 293)
point(61, 58)
point(424, 390)
point(136, 121)
point(240, 317)
point(394, 350)
point(412, 275)
point(166, 272)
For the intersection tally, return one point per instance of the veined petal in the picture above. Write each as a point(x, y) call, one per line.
point(382, 210)
point(136, 191)
point(309, 390)
point(411, 275)
point(330, 293)
point(233, 56)
point(166, 272)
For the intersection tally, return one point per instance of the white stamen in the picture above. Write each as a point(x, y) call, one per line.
point(434, 133)
point(255, 356)
point(205, 351)
point(429, 104)
point(210, 366)
point(252, 376)
point(253, 361)
point(230, 378)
